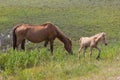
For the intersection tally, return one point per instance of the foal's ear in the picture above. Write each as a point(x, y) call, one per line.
point(103, 33)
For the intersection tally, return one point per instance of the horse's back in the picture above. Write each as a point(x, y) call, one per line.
point(84, 41)
point(22, 29)
point(37, 33)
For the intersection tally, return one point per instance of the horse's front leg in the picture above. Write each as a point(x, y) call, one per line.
point(51, 46)
point(46, 43)
point(98, 57)
point(23, 45)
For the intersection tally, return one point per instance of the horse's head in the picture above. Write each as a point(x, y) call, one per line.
point(103, 38)
point(68, 46)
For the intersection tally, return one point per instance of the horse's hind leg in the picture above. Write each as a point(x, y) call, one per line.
point(91, 48)
point(14, 46)
point(79, 52)
point(23, 45)
point(84, 51)
point(19, 41)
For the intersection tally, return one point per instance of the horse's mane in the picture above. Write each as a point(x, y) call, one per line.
point(47, 23)
point(57, 28)
point(96, 35)
point(60, 34)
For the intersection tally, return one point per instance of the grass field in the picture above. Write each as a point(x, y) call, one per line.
point(75, 18)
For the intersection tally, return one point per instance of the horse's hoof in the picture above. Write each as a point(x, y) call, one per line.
point(98, 58)
point(78, 57)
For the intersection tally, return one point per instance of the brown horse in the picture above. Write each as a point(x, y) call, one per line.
point(92, 42)
point(37, 33)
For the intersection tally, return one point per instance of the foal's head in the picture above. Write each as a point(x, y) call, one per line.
point(103, 38)
point(68, 46)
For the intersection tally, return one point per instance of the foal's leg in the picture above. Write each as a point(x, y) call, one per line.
point(84, 51)
point(23, 45)
point(91, 48)
point(98, 53)
point(79, 52)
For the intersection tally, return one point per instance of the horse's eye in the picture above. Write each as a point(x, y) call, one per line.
point(104, 38)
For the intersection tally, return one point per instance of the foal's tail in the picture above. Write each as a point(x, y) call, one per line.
point(14, 37)
point(80, 40)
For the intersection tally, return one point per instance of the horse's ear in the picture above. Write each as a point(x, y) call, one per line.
point(103, 33)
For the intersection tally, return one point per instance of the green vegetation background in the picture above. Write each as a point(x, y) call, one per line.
point(76, 18)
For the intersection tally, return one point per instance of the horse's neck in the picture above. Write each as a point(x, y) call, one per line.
point(98, 39)
point(62, 37)
point(95, 36)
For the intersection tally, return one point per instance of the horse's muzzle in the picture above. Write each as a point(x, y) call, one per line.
point(71, 52)
point(106, 44)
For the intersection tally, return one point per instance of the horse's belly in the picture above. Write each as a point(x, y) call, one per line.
point(86, 42)
point(39, 35)
point(37, 38)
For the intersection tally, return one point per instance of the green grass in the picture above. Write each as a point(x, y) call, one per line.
point(75, 18)
point(35, 65)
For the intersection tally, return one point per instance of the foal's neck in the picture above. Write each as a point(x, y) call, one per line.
point(97, 39)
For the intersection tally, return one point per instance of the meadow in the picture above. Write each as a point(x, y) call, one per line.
point(76, 18)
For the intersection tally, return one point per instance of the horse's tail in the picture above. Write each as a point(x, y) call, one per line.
point(80, 40)
point(14, 37)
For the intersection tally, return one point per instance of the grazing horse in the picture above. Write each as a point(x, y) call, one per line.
point(92, 42)
point(37, 33)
